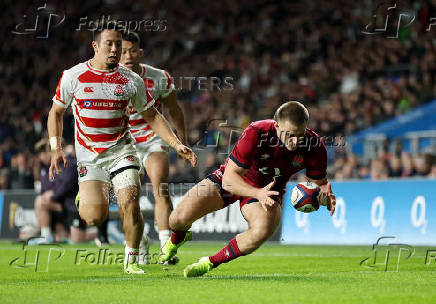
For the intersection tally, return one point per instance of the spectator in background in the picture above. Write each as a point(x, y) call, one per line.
point(395, 169)
point(45, 208)
point(211, 163)
point(407, 165)
point(432, 173)
point(65, 192)
point(180, 173)
point(423, 164)
point(55, 207)
point(378, 169)
point(21, 176)
point(4, 180)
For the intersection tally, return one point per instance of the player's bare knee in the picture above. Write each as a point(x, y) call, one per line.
point(260, 234)
point(94, 220)
point(95, 214)
point(179, 220)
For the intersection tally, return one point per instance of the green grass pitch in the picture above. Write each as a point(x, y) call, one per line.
point(273, 274)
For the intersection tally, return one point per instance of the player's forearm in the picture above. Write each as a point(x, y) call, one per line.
point(235, 184)
point(160, 126)
point(55, 125)
point(177, 119)
point(175, 115)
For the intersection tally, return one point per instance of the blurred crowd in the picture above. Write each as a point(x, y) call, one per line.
point(262, 53)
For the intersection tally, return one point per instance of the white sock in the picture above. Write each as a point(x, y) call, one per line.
point(46, 232)
point(131, 254)
point(164, 235)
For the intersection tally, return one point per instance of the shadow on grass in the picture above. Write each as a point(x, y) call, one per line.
point(277, 277)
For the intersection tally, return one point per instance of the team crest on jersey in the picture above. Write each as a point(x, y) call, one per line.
point(298, 161)
point(119, 91)
point(130, 158)
point(83, 171)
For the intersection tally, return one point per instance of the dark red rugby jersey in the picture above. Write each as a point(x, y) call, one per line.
point(261, 152)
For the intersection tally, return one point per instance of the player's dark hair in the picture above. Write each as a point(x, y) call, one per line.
point(292, 111)
point(132, 37)
point(106, 25)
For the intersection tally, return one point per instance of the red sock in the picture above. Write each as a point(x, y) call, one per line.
point(177, 236)
point(228, 253)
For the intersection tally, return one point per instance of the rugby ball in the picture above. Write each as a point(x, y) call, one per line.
point(307, 197)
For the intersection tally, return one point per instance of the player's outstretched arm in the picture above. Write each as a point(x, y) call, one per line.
point(55, 128)
point(234, 183)
point(175, 113)
point(160, 125)
point(326, 187)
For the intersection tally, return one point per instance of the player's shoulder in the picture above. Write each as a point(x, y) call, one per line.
point(314, 142)
point(75, 70)
point(129, 74)
point(312, 133)
point(265, 125)
point(153, 72)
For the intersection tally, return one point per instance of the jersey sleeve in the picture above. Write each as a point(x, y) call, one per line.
point(316, 165)
point(64, 91)
point(246, 147)
point(142, 99)
point(166, 85)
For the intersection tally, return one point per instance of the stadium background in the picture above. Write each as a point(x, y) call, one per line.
point(372, 93)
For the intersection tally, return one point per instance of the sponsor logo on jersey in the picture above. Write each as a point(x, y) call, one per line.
point(298, 161)
point(83, 171)
point(88, 90)
point(119, 91)
point(87, 104)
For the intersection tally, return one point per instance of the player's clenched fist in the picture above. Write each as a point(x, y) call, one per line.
point(264, 196)
point(56, 158)
point(187, 154)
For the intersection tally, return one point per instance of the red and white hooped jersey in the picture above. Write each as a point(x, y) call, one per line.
point(100, 102)
point(159, 85)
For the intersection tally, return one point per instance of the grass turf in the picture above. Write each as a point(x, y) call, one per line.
point(273, 274)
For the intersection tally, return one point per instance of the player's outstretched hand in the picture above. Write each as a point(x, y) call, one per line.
point(187, 154)
point(331, 204)
point(264, 196)
point(56, 157)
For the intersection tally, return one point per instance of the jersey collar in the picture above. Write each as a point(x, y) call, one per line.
point(98, 71)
